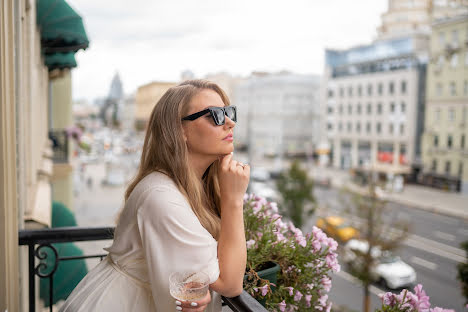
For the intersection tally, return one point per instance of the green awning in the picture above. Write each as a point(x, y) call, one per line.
point(61, 27)
point(60, 60)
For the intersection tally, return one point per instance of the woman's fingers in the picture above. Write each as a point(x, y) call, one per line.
point(193, 306)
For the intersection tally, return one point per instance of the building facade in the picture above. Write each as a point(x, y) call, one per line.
point(372, 103)
point(146, 98)
point(280, 114)
point(445, 146)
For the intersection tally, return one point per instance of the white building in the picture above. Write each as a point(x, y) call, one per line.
point(278, 114)
point(373, 100)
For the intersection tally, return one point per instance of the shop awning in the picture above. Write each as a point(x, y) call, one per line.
point(61, 28)
point(60, 60)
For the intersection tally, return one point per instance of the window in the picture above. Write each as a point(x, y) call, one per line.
point(451, 115)
point(340, 127)
point(403, 107)
point(403, 87)
point(453, 88)
point(462, 141)
point(359, 90)
point(349, 127)
point(369, 89)
point(439, 89)
point(330, 110)
point(440, 60)
point(358, 127)
point(455, 37)
point(460, 169)
point(436, 141)
point(454, 60)
point(380, 87)
point(447, 167)
point(330, 93)
point(392, 107)
point(350, 91)
point(390, 128)
point(350, 109)
point(449, 141)
point(378, 127)
point(359, 109)
point(341, 109)
point(441, 39)
point(402, 128)
point(379, 108)
point(434, 165)
point(341, 92)
point(369, 108)
point(330, 126)
point(368, 127)
point(391, 87)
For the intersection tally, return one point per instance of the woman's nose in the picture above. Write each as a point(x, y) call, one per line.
point(228, 121)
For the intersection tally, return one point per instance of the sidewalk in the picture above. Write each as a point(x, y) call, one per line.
point(417, 196)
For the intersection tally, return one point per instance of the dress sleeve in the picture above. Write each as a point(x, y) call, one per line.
point(173, 239)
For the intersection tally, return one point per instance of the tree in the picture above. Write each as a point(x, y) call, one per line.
point(296, 189)
point(377, 227)
point(463, 272)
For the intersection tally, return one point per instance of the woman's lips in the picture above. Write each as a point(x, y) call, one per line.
point(228, 137)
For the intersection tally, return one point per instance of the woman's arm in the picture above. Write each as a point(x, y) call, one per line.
point(232, 252)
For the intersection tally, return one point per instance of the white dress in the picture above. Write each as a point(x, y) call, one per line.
point(157, 234)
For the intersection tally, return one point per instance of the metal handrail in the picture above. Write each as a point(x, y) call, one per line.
point(44, 238)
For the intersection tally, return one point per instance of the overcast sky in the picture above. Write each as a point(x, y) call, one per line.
point(155, 40)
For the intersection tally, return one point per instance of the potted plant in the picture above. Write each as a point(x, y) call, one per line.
point(303, 261)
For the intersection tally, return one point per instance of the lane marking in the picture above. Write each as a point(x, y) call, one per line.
point(427, 264)
point(445, 236)
point(346, 276)
point(432, 247)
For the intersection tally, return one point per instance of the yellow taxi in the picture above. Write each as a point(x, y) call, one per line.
point(337, 228)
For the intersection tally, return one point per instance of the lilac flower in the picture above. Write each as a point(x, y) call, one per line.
point(307, 299)
point(297, 296)
point(388, 299)
point(282, 306)
point(326, 282)
point(290, 290)
point(423, 303)
point(332, 244)
point(323, 300)
point(250, 243)
point(264, 289)
point(316, 245)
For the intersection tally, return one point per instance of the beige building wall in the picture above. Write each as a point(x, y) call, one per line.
point(445, 141)
point(25, 166)
point(146, 98)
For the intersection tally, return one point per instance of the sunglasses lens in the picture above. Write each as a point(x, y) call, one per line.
point(218, 115)
point(231, 113)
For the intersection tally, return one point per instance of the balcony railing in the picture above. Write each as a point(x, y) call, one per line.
point(59, 140)
point(38, 241)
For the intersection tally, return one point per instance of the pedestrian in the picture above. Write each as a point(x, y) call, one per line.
point(183, 211)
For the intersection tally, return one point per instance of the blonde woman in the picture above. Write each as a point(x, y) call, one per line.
point(183, 211)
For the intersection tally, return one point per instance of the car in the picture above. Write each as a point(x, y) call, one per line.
point(264, 190)
point(259, 174)
point(337, 227)
point(387, 269)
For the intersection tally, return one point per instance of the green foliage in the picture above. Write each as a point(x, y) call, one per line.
point(296, 188)
point(463, 272)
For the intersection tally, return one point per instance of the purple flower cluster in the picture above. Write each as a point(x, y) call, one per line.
point(407, 301)
point(305, 260)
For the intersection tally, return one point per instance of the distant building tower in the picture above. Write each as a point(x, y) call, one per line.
point(110, 110)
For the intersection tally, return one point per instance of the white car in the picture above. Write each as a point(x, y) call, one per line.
point(388, 269)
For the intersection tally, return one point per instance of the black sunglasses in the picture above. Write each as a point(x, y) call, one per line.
point(217, 113)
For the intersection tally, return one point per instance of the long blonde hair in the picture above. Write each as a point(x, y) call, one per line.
point(165, 150)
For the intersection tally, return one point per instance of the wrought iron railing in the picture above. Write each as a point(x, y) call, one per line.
point(40, 240)
point(59, 140)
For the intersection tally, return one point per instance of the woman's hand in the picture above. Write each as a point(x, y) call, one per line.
point(233, 178)
point(194, 306)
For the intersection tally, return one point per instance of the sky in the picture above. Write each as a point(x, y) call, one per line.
point(156, 40)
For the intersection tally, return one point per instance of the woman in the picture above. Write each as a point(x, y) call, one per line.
point(183, 211)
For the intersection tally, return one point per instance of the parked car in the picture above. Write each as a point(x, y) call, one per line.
point(388, 269)
point(338, 228)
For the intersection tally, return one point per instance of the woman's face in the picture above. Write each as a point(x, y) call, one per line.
point(203, 137)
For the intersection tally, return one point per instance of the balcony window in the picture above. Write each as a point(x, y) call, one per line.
point(369, 89)
point(341, 109)
point(449, 141)
point(378, 127)
point(465, 88)
point(391, 87)
point(454, 60)
point(330, 126)
point(403, 87)
point(330, 110)
point(437, 114)
point(359, 90)
point(369, 108)
point(350, 91)
point(392, 107)
point(441, 39)
point(447, 167)
point(402, 129)
point(380, 87)
point(436, 141)
point(340, 127)
point(451, 115)
point(330, 93)
point(368, 127)
point(359, 109)
point(350, 109)
point(460, 169)
point(341, 92)
point(434, 165)
point(390, 128)
point(349, 127)
point(403, 107)
point(358, 127)
point(455, 38)
point(462, 141)
point(379, 108)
